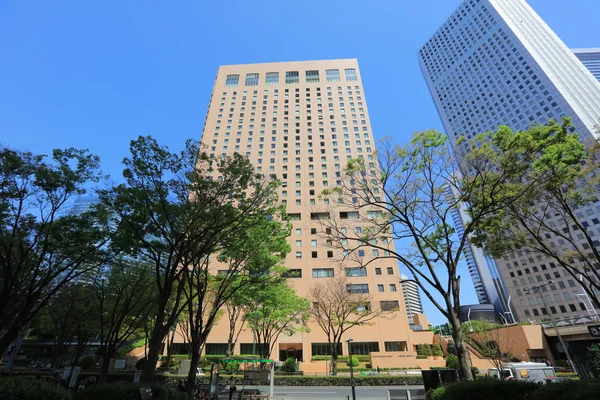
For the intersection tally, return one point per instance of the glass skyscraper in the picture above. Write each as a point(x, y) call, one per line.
point(495, 62)
point(591, 59)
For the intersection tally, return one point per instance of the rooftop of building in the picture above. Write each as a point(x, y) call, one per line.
point(589, 50)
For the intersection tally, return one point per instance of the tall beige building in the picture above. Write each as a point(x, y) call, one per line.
point(302, 121)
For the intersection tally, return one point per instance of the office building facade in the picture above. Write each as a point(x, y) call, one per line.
point(301, 122)
point(495, 62)
point(590, 58)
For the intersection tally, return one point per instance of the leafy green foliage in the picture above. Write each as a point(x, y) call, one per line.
point(354, 362)
point(488, 389)
point(274, 310)
point(594, 357)
point(452, 361)
point(31, 389)
point(550, 174)
point(180, 208)
point(436, 394)
point(570, 390)
point(42, 246)
point(289, 365)
point(424, 349)
point(87, 362)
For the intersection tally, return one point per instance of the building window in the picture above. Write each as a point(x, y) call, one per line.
point(364, 348)
point(389, 305)
point(213, 349)
point(390, 270)
point(246, 348)
point(377, 271)
point(312, 76)
point(292, 77)
point(349, 215)
point(351, 74)
point(251, 80)
point(314, 254)
point(319, 216)
point(322, 272)
point(356, 271)
point(232, 80)
point(323, 349)
point(395, 346)
point(332, 75)
point(392, 287)
point(357, 288)
point(272, 78)
point(292, 273)
point(298, 254)
point(380, 288)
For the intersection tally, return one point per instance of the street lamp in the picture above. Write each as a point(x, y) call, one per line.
point(562, 343)
point(349, 341)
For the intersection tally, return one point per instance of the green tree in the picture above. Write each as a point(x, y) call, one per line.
point(559, 177)
point(175, 210)
point(289, 365)
point(247, 257)
point(69, 316)
point(125, 301)
point(354, 362)
point(336, 310)
point(410, 196)
point(594, 357)
point(42, 246)
point(275, 310)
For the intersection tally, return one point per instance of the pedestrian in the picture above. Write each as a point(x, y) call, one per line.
point(59, 381)
point(378, 370)
point(232, 389)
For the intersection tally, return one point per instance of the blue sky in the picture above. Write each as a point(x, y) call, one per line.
point(95, 74)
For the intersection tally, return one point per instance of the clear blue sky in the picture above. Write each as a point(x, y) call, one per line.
point(95, 74)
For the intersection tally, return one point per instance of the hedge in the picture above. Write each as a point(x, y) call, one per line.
point(298, 380)
point(31, 389)
point(131, 391)
point(493, 389)
point(485, 389)
point(361, 358)
point(570, 390)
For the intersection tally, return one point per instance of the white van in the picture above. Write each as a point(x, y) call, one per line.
point(525, 371)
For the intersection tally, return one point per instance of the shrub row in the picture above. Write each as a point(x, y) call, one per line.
point(493, 389)
point(361, 358)
point(299, 380)
point(31, 389)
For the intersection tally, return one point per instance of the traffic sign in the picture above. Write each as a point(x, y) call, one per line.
point(594, 330)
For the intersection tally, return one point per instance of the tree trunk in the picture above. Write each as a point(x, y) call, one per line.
point(191, 381)
point(333, 364)
point(154, 345)
point(105, 363)
point(9, 336)
point(462, 352)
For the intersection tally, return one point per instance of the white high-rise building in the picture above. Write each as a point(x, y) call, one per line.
point(412, 298)
point(495, 62)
